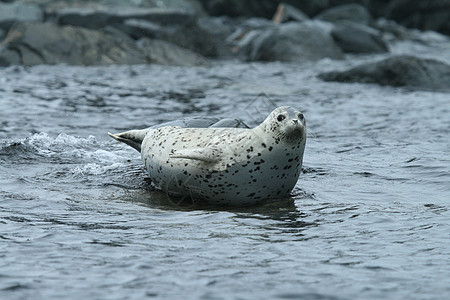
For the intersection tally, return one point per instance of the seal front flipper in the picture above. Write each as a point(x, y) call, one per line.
point(132, 138)
point(209, 155)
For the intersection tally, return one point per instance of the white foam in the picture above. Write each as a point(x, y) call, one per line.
point(95, 169)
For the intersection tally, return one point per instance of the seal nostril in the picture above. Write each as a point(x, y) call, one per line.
point(295, 121)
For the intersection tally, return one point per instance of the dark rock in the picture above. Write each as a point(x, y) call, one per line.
point(405, 71)
point(46, 43)
point(165, 53)
point(11, 13)
point(357, 38)
point(286, 13)
point(267, 8)
point(188, 36)
point(97, 18)
point(314, 7)
point(239, 8)
point(425, 15)
point(219, 29)
point(309, 40)
point(246, 30)
point(392, 31)
point(9, 58)
point(350, 12)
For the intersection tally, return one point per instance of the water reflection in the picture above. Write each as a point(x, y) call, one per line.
point(271, 217)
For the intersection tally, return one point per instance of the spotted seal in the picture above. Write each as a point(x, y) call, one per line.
point(225, 166)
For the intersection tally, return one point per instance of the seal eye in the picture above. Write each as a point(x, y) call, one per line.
point(281, 118)
point(301, 117)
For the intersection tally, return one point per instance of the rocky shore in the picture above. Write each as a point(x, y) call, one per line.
point(196, 32)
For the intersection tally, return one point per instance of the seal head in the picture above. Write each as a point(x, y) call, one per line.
point(285, 123)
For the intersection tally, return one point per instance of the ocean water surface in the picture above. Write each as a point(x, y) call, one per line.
point(368, 218)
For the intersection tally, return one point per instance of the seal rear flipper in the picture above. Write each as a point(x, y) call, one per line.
point(209, 155)
point(132, 138)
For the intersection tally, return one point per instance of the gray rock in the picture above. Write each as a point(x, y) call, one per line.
point(97, 18)
point(187, 35)
point(238, 8)
point(398, 71)
point(392, 31)
point(353, 37)
point(246, 30)
point(11, 13)
point(9, 57)
point(137, 28)
point(165, 53)
point(219, 29)
point(349, 12)
point(309, 40)
point(425, 15)
point(286, 13)
point(46, 43)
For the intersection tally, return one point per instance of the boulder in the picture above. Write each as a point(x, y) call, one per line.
point(425, 15)
point(46, 43)
point(188, 35)
point(98, 18)
point(9, 58)
point(293, 41)
point(267, 8)
point(398, 71)
point(349, 12)
point(246, 30)
point(286, 13)
point(392, 31)
point(239, 8)
point(11, 13)
point(219, 29)
point(165, 53)
point(353, 37)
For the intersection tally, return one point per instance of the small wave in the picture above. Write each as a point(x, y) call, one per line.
point(96, 169)
point(63, 148)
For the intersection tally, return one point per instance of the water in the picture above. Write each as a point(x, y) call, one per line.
point(368, 219)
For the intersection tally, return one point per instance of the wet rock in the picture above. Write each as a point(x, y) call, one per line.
point(293, 41)
point(425, 15)
point(286, 13)
point(165, 53)
point(19, 12)
point(398, 71)
point(46, 43)
point(350, 12)
point(353, 37)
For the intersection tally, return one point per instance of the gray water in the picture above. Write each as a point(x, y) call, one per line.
point(368, 218)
